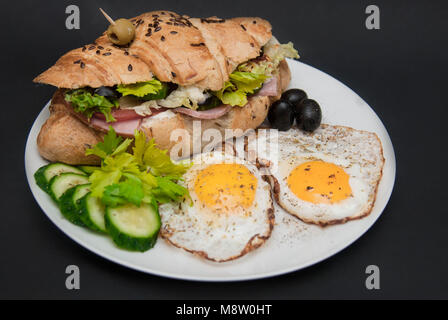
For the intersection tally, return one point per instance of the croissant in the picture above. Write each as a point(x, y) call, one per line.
point(167, 46)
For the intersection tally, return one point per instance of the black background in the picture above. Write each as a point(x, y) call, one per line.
point(399, 70)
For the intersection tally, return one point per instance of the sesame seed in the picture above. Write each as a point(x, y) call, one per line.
point(173, 74)
point(77, 61)
point(107, 54)
point(98, 52)
point(162, 38)
point(126, 53)
point(100, 47)
point(157, 29)
point(173, 32)
point(244, 28)
point(92, 47)
point(83, 65)
point(130, 67)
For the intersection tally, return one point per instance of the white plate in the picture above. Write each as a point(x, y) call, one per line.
point(293, 245)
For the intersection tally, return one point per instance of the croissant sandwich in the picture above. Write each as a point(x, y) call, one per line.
point(220, 73)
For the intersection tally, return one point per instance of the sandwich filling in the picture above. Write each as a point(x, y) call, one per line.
point(144, 99)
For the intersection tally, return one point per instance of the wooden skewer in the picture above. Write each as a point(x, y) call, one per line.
point(107, 17)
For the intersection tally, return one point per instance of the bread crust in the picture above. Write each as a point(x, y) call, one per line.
point(174, 48)
point(65, 135)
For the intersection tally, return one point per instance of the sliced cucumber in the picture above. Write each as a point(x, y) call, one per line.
point(133, 228)
point(92, 212)
point(67, 203)
point(44, 175)
point(61, 183)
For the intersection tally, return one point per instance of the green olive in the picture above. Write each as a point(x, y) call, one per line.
point(122, 32)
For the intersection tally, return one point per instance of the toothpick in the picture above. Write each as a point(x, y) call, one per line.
point(107, 17)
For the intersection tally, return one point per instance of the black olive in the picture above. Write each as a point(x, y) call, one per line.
point(310, 115)
point(281, 115)
point(107, 92)
point(295, 97)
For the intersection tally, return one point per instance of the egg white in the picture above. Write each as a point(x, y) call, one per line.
point(218, 237)
point(359, 153)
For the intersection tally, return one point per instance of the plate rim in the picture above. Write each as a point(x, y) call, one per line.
point(231, 278)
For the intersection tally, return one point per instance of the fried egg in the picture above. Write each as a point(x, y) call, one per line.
point(230, 212)
point(326, 177)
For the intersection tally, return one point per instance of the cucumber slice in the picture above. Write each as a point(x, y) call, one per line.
point(61, 183)
point(92, 213)
point(67, 203)
point(44, 175)
point(133, 228)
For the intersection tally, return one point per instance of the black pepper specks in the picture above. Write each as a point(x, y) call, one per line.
point(130, 67)
point(82, 65)
point(77, 62)
point(244, 28)
point(173, 74)
point(126, 53)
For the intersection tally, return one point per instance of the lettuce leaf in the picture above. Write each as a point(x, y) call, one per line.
point(275, 53)
point(240, 84)
point(247, 81)
point(87, 103)
point(148, 90)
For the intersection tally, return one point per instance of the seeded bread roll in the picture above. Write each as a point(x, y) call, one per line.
point(65, 137)
point(174, 48)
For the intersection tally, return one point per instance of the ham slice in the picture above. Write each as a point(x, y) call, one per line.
point(120, 115)
point(211, 114)
point(124, 128)
point(269, 89)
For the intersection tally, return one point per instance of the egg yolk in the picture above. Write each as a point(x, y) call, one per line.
point(226, 187)
point(319, 182)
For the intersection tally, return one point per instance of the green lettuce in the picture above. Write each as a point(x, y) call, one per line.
point(275, 53)
point(145, 176)
point(87, 103)
point(240, 85)
point(148, 90)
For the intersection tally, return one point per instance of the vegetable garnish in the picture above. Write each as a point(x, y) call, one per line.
point(240, 84)
point(274, 53)
point(146, 176)
point(148, 90)
point(251, 75)
point(87, 103)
